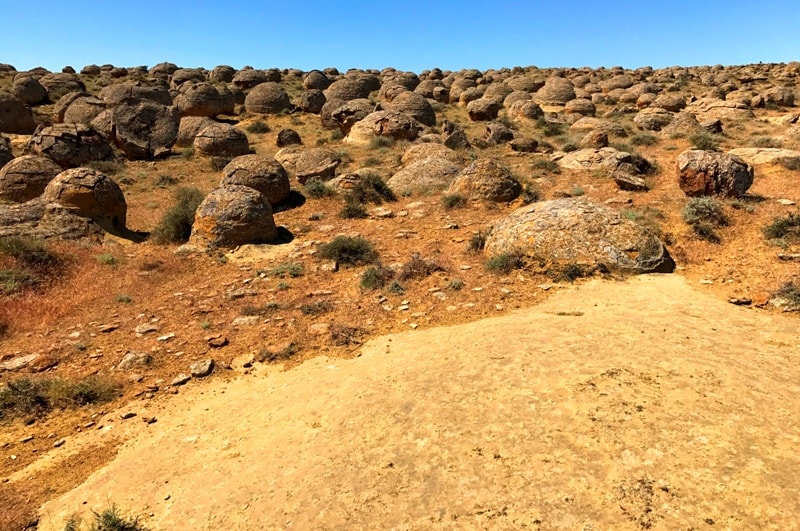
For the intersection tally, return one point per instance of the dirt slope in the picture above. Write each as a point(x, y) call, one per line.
point(643, 404)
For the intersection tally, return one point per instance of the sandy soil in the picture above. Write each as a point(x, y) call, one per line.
point(613, 405)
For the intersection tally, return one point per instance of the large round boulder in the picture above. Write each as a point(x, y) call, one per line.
point(556, 91)
point(233, 215)
point(486, 180)
point(189, 127)
point(267, 98)
point(119, 92)
point(15, 116)
point(653, 118)
point(414, 105)
point(221, 140)
point(25, 178)
point(349, 112)
point(311, 101)
point(29, 90)
point(90, 194)
point(81, 109)
point(261, 173)
point(222, 74)
point(248, 78)
point(204, 99)
point(393, 124)
point(577, 230)
point(316, 80)
point(70, 145)
point(319, 163)
point(483, 109)
point(59, 84)
point(144, 129)
point(426, 175)
point(713, 173)
point(348, 88)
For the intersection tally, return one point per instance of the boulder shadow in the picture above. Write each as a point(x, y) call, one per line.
point(295, 200)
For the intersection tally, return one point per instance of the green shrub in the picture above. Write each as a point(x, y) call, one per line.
point(349, 250)
point(176, 224)
point(353, 210)
point(15, 280)
point(766, 142)
point(378, 142)
point(450, 201)
point(31, 253)
point(787, 228)
point(530, 194)
point(376, 277)
point(290, 269)
point(477, 242)
point(371, 189)
point(163, 181)
point(456, 284)
point(505, 262)
point(372, 161)
point(704, 209)
point(418, 267)
point(219, 162)
point(790, 163)
point(123, 298)
point(789, 292)
point(112, 520)
point(107, 259)
point(549, 128)
point(569, 147)
point(546, 165)
point(258, 127)
point(705, 141)
point(108, 167)
point(706, 231)
point(263, 309)
point(343, 335)
point(570, 272)
point(26, 397)
point(267, 355)
point(316, 308)
point(337, 134)
point(395, 288)
point(644, 139)
point(317, 188)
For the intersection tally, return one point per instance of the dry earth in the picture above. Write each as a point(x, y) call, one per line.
point(614, 405)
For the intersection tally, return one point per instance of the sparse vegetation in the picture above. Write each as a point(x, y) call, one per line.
point(163, 181)
point(451, 201)
point(785, 228)
point(705, 215)
point(477, 242)
point(418, 267)
point(790, 163)
point(530, 194)
point(546, 165)
point(28, 252)
point(349, 250)
point(266, 355)
point(789, 292)
point(378, 142)
point(317, 188)
point(353, 210)
point(342, 335)
point(258, 127)
point(376, 277)
point(505, 263)
point(289, 269)
point(371, 189)
point(107, 259)
point(26, 397)
point(644, 139)
point(123, 298)
point(176, 224)
point(262, 309)
point(110, 519)
point(108, 167)
point(316, 308)
point(705, 141)
point(570, 272)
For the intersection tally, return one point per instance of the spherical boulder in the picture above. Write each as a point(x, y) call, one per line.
point(188, 128)
point(414, 105)
point(393, 124)
point(144, 129)
point(248, 78)
point(233, 215)
point(119, 92)
point(70, 145)
point(316, 80)
point(15, 116)
point(483, 109)
point(713, 173)
point(222, 74)
point(267, 98)
point(319, 163)
point(487, 180)
point(29, 90)
point(311, 101)
point(556, 91)
point(204, 99)
point(287, 137)
point(25, 178)
point(261, 173)
point(90, 194)
point(349, 112)
point(221, 140)
point(59, 84)
point(578, 230)
point(429, 175)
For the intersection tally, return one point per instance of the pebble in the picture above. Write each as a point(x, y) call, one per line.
point(202, 368)
point(165, 337)
point(145, 328)
point(706, 281)
point(59, 443)
point(29, 438)
point(786, 202)
point(128, 415)
point(105, 329)
point(181, 379)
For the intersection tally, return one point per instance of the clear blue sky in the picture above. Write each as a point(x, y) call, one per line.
point(408, 35)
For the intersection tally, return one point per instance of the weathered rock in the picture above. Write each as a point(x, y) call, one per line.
point(189, 127)
point(483, 109)
point(781, 96)
point(6, 153)
point(683, 124)
point(70, 145)
point(606, 160)
point(222, 74)
point(248, 78)
point(589, 123)
point(119, 92)
point(486, 180)
point(15, 116)
point(670, 102)
point(26, 177)
point(653, 118)
point(713, 173)
point(629, 183)
point(524, 145)
point(346, 115)
point(261, 173)
point(201, 369)
point(162, 70)
point(715, 109)
point(415, 106)
point(59, 84)
point(433, 174)
point(595, 139)
point(204, 99)
point(133, 359)
point(577, 230)
point(394, 124)
point(580, 106)
point(29, 90)
point(221, 140)
point(556, 91)
point(349, 88)
point(756, 156)
point(185, 76)
point(453, 136)
point(288, 137)
point(144, 129)
point(428, 150)
point(90, 194)
point(316, 80)
point(319, 163)
point(233, 215)
point(267, 98)
point(82, 110)
point(311, 101)
point(497, 133)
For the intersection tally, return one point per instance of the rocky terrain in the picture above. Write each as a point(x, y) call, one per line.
point(207, 233)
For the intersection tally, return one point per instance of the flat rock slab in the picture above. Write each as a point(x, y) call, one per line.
point(767, 155)
point(614, 405)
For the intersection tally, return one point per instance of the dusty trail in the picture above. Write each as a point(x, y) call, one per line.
point(643, 404)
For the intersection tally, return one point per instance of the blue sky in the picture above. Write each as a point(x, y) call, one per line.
point(411, 35)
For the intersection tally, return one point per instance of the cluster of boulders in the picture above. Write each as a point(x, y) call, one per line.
point(107, 112)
